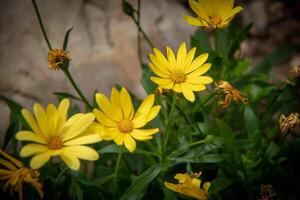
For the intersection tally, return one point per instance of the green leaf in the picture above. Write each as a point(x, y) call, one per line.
point(62, 95)
point(96, 181)
point(242, 67)
point(14, 107)
point(227, 135)
point(201, 41)
point(206, 158)
point(140, 184)
point(75, 190)
point(250, 120)
point(219, 184)
point(10, 133)
point(271, 151)
point(66, 39)
point(112, 148)
point(222, 42)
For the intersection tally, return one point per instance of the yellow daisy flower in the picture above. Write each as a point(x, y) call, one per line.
point(190, 186)
point(183, 73)
point(56, 57)
point(15, 174)
point(120, 122)
point(54, 135)
point(212, 13)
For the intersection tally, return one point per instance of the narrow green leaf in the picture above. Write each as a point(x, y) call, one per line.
point(250, 120)
point(10, 133)
point(206, 158)
point(201, 41)
point(140, 183)
point(227, 135)
point(66, 39)
point(96, 181)
point(220, 184)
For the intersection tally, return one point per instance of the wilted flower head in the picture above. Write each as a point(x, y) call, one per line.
point(183, 73)
point(229, 93)
point(212, 13)
point(15, 174)
point(289, 122)
point(53, 134)
point(119, 120)
point(266, 192)
point(190, 185)
point(295, 71)
point(57, 57)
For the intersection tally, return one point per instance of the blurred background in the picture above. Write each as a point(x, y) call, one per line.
point(103, 43)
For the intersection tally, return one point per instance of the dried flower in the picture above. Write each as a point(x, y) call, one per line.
point(15, 174)
point(229, 93)
point(266, 192)
point(288, 123)
point(190, 185)
point(56, 57)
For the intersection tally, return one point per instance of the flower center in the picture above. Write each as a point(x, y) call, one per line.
point(55, 143)
point(178, 77)
point(215, 20)
point(125, 126)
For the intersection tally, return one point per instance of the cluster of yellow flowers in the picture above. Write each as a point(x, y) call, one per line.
point(54, 134)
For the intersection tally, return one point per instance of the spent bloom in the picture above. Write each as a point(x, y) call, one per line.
point(229, 93)
point(212, 13)
point(183, 73)
point(15, 174)
point(54, 135)
point(190, 185)
point(289, 122)
point(57, 57)
point(266, 192)
point(119, 120)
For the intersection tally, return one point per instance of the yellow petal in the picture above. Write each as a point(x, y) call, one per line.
point(167, 86)
point(130, 144)
point(206, 186)
point(71, 160)
point(233, 12)
point(161, 59)
point(187, 92)
point(119, 139)
point(161, 81)
point(110, 133)
point(41, 118)
point(158, 72)
point(39, 160)
point(31, 121)
point(177, 88)
point(196, 88)
point(107, 107)
point(171, 59)
point(146, 105)
point(199, 61)
point(193, 21)
point(198, 72)
point(200, 80)
point(171, 186)
point(153, 112)
point(87, 139)
point(189, 58)
point(32, 148)
point(202, 10)
point(143, 134)
point(115, 99)
point(127, 107)
point(3, 173)
point(181, 55)
point(80, 125)
point(82, 152)
point(161, 67)
point(52, 117)
point(30, 136)
point(11, 159)
point(104, 119)
point(63, 112)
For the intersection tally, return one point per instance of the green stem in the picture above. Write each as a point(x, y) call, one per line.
point(168, 126)
point(67, 73)
point(205, 101)
point(60, 174)
point(115, 180)
point(36, 9)
point(138, 31)
point(142, 32)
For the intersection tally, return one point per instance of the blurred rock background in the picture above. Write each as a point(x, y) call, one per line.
point(103, 43)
